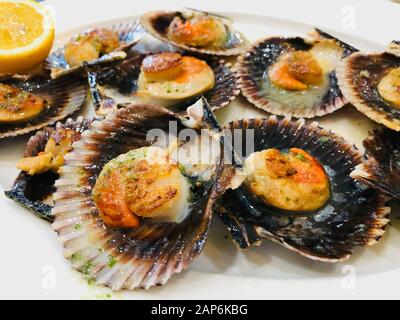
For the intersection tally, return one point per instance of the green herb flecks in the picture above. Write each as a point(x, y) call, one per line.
point(76, 257)
point(104, 296)
point(87, 268)
point(300, 157)
point(78, 226)
point(364, 74)
point(111, 261)
point(91, 281)
point(182, 169)
point(324, 139)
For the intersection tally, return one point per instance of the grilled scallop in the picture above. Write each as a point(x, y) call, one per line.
point(195, 31)
point(170, 79)
point(28, 106)
point(297, 191)
point(170, 76)
point(94, 47)
point(44, 155)
point(371, 82)
point(127, 214)
point(18, 106)
point(294, 76)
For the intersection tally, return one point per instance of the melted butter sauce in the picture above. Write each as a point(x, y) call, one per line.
point(328, 54)
point(302, 99)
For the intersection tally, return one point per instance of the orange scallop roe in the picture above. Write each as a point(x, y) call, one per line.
point(133, 190)
point(111, 202)
point(190, 66)
point(197, 32)
point(296, 71)
point(308, 169)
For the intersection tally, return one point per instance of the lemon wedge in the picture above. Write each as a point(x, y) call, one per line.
point(26, 35)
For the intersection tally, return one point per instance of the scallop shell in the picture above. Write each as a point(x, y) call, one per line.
point(64, 97)
point(263, 54)
point(381, 169)
point(157, 23)
point(130, 33)
point(31, 191)
point(140, 258)
point(125, 74)
point(359, 76)
point(354, 216)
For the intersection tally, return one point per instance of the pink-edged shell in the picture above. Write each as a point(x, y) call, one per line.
point(359, 76)
point(31, 192)
point(263, 54)
point(140, 258)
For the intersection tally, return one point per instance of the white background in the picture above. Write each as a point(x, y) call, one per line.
point(31, 257)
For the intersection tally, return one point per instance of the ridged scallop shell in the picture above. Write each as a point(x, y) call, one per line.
point(31, 191)
point(381, 168)
point(157, 23)
point(125, 74)
point(263, 54)
point(359, 76)
point(129, 33)
point(354, 216)
point(143, 257)
point(64, 97)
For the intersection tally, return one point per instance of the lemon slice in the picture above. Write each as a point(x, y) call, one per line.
point(26, 35)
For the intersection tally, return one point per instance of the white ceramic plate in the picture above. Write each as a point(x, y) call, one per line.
point(32, 265)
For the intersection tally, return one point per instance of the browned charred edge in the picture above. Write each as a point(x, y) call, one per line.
point(357, 216)
point(31, 191)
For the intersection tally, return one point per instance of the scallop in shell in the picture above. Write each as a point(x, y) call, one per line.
point(370, 82)
point(61, 98)
point(129, 34)
point(35, 192)
point(381, 168)
point(125, 75)
point(144, 256)
point(195, 31)
point(294, 76)
point(351, 215)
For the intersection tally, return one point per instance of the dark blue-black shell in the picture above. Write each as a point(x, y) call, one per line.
point(354, 216)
